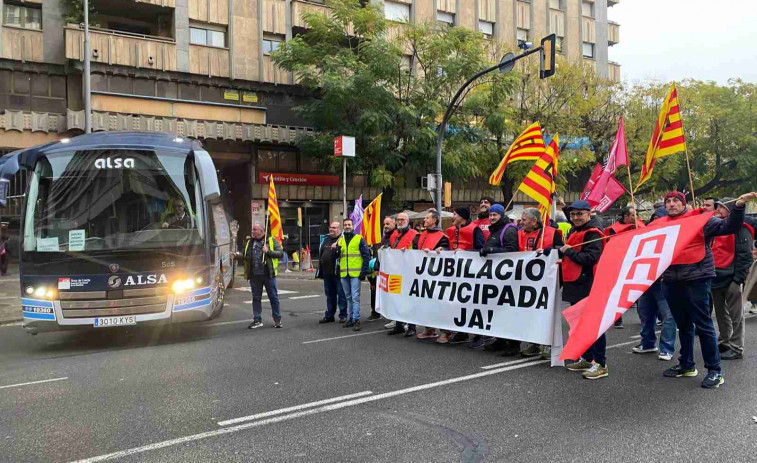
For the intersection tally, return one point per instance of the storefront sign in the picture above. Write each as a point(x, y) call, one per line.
point(344, 146)
point(299, 179)
point(249, 97)
point(232, 95)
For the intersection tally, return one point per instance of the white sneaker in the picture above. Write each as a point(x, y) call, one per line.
point(390, 325)
point(641, 350)
point(665, 356)
point(753, 309)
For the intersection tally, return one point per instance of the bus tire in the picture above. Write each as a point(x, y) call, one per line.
point(233, 273)
point(221, 301)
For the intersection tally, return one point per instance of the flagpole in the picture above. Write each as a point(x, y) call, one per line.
point(630, 184)
point(265, 230)
point(691, 180)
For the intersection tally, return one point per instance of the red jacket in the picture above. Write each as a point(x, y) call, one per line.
point(483, 224)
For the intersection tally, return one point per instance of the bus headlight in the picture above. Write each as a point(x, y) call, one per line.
point(40, 292)
point(179, 286)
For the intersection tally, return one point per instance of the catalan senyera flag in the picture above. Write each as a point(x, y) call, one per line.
point(540, 182)
point(274, 215)
point(529, 146)
point(667, 138)
point(371, 230)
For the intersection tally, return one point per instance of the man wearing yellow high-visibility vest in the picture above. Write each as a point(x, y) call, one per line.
point(353, 256)
point(261, 272)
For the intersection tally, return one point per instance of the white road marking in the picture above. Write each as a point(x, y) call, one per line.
point(233, 322)
point(504, 364)
point(280, 291)
point(281, 411)
point(343, 337)
point(305, 297)
point(250, 302)
point(622, 344)
point(312, 411)
point(34, 382)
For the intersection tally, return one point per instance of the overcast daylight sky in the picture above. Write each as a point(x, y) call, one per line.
point(675, 39)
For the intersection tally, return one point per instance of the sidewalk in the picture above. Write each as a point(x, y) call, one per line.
point(10, 302)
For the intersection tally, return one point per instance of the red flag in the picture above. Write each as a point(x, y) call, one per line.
point(630, 263)
point(613, 191)
point(618, 157)
point(596, 173)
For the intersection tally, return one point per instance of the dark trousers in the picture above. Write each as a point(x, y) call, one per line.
point(4, 264)
point(597, 351)
point(332, 286)
point(257, 282)
point(690, 304)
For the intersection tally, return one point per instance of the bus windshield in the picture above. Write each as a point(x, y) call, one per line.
point(110, 199)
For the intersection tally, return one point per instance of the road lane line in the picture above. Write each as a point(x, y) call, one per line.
point(622, 344)
point(312, 411)
point(504, 364)
point(233, 322)
point(34, 382)
point(305, 297)
point(343, 337)
point(295, 408)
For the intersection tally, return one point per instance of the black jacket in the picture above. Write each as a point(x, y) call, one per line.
point(498, 243)
point(327, 257)
point(742, 262)
point(587, 257)
point(705, 268)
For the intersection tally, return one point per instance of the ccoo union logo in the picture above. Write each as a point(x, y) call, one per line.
point(391, 284)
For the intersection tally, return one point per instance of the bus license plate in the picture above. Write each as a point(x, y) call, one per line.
point(105, 322)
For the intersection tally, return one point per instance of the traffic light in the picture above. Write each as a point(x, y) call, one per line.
point(547, 61)
point(447, 194)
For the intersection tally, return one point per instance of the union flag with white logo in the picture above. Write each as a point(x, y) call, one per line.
point(630, 263)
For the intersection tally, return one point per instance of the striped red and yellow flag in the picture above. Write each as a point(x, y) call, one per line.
point(667, 138)
point(540, 182)
point(529, 146)
point(371, 230)
point(274, 215)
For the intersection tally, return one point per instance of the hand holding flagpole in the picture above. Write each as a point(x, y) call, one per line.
point(265, 230)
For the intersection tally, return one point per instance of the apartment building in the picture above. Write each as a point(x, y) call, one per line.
point(202, 68)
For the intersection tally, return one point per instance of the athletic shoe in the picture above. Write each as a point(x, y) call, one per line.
point(678, 371)
point(255, 324)
point(349, 324)
point(326, 320)
point(373, 317)
point(357, 326)
point(458, 338)
point(753, 309)
point(410, 332)
point(731, 355)
point(531, 351)
point(546, 352)
point(713, 380)
point(618, 325)
point(428, 333)
point(722, 348)
point(477, 342)
point(277, 324)
point(596, 371)
point(390, 325)
point(640, 349)
point(665, 356)
point(398, 329)
point(579, 365)
point(659, 323)
point(443, 339)
point(342, 320)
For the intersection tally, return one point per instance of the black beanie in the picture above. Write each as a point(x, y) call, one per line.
point(463, 212)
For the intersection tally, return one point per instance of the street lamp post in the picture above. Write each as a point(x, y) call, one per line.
point(505, 65)
point(86, 75)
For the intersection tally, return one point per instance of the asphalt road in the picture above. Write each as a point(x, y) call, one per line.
point(319, 393)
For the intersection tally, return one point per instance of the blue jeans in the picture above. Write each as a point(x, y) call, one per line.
point(597, 351)
point(332, 286)
point(690, 304)
point(652, 304)
point(351, 288)
point(256, 285)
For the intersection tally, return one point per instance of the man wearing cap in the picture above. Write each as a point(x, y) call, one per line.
point(579, 256)
point(483, 215)
point(732, 255)
point(687, 283)
point(463, 236)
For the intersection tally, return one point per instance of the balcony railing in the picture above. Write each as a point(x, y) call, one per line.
point(21, 44)
point(209, 61)
point(613, 33)
point(122, 48)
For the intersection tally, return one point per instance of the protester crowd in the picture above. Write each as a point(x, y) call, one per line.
point(708, 276)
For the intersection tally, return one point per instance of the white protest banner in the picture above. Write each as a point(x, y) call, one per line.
point(511, 296)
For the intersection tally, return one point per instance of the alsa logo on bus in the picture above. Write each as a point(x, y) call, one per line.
point(114, 163)
point(139, 280)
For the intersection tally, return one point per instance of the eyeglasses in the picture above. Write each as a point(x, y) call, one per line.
point(578, 213)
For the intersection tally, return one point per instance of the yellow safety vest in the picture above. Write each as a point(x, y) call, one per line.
point(350, 260)
point(274, 261)
point(564, 228)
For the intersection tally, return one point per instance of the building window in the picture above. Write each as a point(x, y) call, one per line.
point(399, 12)
point(556, 4)
point(587, 9)
point(588, 50)
point(486, 28)
point(277, 161)
point(23, 16)
point(521, 34)
point(271, 44)
point(208, 37)
point(445, 19)
point(559, 43)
